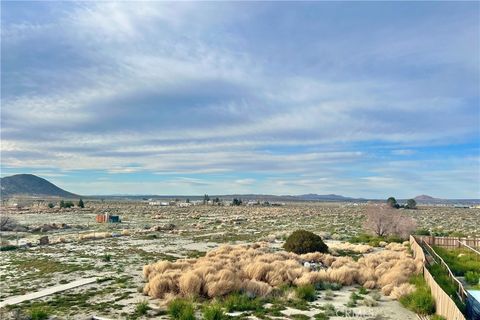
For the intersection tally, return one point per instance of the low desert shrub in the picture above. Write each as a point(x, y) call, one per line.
point(362, 291)
point(472, 277)
point(213, 312)
point(241, 302)
point(321, 316)
point(329, 309)
point(329, 295)
point(141, 308)
point(38, 314)
point(306, 292)
point(180, 309)
point(8, 247)
point(302, 241)
point(420, 301)
point(299, 316)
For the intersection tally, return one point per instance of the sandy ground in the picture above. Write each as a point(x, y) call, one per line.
point(119, 260)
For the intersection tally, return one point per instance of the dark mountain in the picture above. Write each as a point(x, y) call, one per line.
point(424, 197)
point(323, 197)
point(31, 185)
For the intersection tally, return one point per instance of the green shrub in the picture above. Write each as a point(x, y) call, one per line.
point(329, 286)
point(422, 232)
point(374, 241)
point(241, 302)
point(363, 291)
point(420, 301)
point(8, 247)
point(181, 309)
point(437, 317)
point(472, 277)
point(107, 257)
point(321, 316)
point(459, 261)
point(329, 309)
point(302, 241)
point(142, 308)
point(38, 314)
point(442, 278)
point(213, 312)
point(306, 292)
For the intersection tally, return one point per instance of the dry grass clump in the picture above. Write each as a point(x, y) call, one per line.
point(346, 246)
point(94, 235)
point(402, 290)
point(257, 270)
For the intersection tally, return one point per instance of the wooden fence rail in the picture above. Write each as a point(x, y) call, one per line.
point(462, 293)
point(450, 242)
point(445, 306)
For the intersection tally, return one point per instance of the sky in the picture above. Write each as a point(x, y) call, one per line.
point(362, 99)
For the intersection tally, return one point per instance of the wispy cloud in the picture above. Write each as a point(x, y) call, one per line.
point(241, 93)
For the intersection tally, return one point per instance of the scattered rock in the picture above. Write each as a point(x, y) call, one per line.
point(43, 241)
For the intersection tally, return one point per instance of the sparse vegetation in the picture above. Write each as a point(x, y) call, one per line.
point(213, 311)
point(241, 302)
point(472, 277)
point(180, 309)
point(419, 301)
point(141, 308)
point(306, 292)
point(38, 314)
point(270, 289)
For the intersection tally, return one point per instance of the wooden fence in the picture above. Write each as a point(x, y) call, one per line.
point(445, 306)
point(450, 242)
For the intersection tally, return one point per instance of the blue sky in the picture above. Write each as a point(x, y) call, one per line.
point(362, 99)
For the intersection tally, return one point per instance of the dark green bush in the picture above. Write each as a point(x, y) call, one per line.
point(422, 232)
point(8, 247)
point(302, 241)
point(180, 309)
point(472, 277)
point(306, 292)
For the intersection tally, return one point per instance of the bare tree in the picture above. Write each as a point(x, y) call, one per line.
point(383, 220)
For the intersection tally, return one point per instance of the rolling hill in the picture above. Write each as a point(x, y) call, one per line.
point(31, 185)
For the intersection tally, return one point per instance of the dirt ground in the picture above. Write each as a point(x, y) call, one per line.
point(149, 233)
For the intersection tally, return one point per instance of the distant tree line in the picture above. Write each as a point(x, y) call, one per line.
point(411, 204)
point(68, 204)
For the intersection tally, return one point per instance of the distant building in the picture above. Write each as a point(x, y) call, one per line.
point(158, 203)
point(184, 204)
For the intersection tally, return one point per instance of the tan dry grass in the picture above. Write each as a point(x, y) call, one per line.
point(257, 269)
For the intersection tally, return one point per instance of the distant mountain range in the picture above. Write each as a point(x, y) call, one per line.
point(31, 185)
point(34, 186)
point(424, 197)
